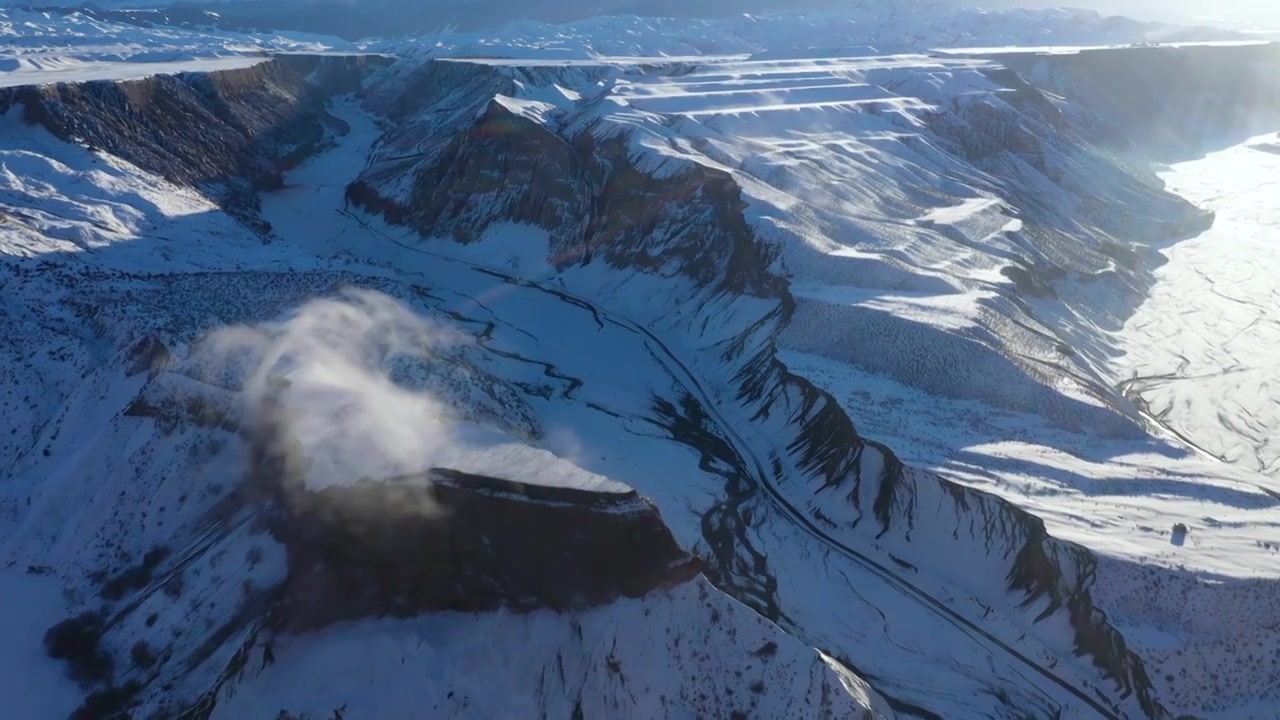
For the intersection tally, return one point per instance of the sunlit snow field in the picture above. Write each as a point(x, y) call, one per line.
point(1205, 347)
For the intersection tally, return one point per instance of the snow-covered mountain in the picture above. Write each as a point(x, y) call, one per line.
point(884, 23)
point(77, 44)
point(767, 380)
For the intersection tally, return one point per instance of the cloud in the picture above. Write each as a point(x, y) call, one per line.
point(331, 380)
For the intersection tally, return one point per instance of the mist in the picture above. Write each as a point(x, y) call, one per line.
point(335, 378)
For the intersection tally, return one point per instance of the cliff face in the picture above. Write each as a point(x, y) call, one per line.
point(585, 190)
point(1163, 102)
point(402, 548)
point(230, 133)
point(861, 499)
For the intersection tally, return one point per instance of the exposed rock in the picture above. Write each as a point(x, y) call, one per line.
point(229, 133)
point(453, 541)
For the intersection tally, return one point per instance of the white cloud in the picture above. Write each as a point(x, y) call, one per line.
point(328, 373)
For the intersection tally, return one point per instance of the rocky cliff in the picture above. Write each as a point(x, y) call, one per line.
point(230, 133)
point(454, 541)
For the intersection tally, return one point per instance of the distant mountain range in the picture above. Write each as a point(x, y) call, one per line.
point(400, 18)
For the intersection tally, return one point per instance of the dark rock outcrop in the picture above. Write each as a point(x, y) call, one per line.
point(449, 540)
point(481, 163)
point(502, 165)
point(454, 541)
point(229, 133)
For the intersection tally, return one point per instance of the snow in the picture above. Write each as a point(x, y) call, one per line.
point(1120, 499)
point(32, 685)
point(43, 47)
point(855, 27)
point(687, 652)
point(1076, 49)
point(878, 226)
point(1201, 351)
point(1117, 497)
point(466, 447)
point(871, 219)
point(27, 71)
point(605, 426)
point(894, 251)
point(907, 627)
point(64, 199)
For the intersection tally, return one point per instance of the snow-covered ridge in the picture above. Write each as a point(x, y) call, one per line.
point(94, 40)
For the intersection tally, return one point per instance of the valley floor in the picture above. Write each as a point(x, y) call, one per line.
point(1202, 351)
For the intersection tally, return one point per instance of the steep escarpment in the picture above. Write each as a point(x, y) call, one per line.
point(502, 165)
point(229, 134)
point(1164, 103)
point(497, 163)
point(403, 548)
point(857, 496)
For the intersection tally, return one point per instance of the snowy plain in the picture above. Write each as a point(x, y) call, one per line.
point(1203, 352)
